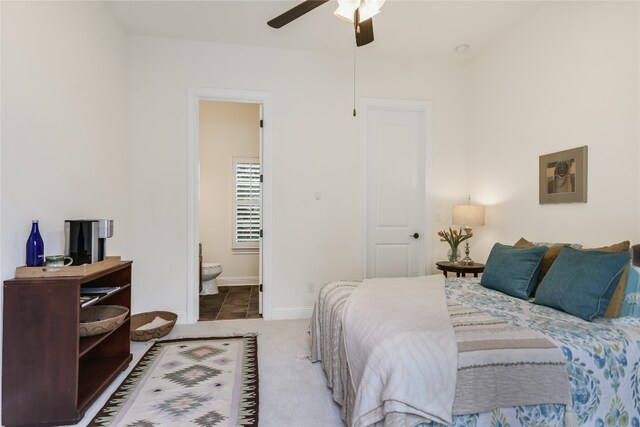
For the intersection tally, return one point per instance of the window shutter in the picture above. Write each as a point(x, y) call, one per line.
point(247, 201)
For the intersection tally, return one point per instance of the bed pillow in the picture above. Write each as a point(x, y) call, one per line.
point(582, 282)
point(631, 305)
point(615, 305)
point(513, 271)
point(549, 256)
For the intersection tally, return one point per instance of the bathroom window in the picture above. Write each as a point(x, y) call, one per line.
point(246, 221)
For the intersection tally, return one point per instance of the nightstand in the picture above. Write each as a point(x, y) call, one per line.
point(461, 270)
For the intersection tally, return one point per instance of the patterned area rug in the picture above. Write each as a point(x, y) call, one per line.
point(189, 382)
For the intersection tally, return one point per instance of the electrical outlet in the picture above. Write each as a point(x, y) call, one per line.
point(310, 287)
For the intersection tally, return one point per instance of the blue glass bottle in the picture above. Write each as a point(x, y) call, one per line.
point(35, 246)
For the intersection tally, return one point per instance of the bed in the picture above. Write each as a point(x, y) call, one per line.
point(600, 359)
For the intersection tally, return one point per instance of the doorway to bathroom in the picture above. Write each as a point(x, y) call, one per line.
point(230, 208)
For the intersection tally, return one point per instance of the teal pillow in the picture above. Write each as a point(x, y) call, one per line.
point(582, 282)
point(631, 303)
point(513, 271)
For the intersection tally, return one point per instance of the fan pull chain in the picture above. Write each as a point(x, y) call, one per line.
point(354, 81)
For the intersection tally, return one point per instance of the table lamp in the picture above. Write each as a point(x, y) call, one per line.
point(467, 216)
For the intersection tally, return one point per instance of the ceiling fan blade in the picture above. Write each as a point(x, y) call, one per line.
point(364, 32)
point(295, 13)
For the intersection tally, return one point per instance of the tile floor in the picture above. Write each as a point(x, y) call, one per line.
point(231, 302)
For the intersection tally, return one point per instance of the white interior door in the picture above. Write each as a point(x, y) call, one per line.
point(395, 140)
point(260, 141)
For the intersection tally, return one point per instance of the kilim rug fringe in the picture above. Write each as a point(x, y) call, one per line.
point(190, 381)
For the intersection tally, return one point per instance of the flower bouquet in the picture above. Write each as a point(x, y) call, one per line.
point(454, 237)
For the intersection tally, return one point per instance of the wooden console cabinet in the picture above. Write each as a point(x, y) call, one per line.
point(51, 375)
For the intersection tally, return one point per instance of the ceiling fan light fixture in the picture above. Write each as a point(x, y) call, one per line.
point(346, 9)
point(370, 8)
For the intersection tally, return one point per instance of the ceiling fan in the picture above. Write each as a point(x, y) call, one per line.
point(359, 12)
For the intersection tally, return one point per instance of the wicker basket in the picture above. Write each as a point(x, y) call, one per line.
point(141, 319)
point(99, 319)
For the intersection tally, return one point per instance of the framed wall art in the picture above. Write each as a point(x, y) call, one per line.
point(563, 176)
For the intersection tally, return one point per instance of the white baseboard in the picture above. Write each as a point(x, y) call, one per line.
point(238, 281)
point(182, 318)
point(290, 313)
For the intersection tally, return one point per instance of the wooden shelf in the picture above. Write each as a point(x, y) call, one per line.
point(87, 343)
point(51, 375)
point(94, 378)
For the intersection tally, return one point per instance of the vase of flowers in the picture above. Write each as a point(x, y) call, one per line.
point(454, 255)
point(454, 237)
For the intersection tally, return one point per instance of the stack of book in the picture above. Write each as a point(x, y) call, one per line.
point(89, 295)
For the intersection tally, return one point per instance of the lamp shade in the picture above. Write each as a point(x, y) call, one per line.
point(369, 9)
point(468, 215)
point(346, 9)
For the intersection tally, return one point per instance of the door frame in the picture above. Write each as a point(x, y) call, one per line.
point(425, 109)
point(194, 96)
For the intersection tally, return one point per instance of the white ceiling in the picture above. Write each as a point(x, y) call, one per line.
point(403, 27)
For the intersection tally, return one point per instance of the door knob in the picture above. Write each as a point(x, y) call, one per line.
point(415, 235)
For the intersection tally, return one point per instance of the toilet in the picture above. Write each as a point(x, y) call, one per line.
point(209, 273)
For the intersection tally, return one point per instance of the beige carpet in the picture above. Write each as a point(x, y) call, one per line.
point(293, 391)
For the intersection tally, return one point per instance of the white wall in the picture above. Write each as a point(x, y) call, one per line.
point(64, 134)
point(104, 119)
point(567, 76)
point(94, 125)
point(227, 130)
point(315, 149)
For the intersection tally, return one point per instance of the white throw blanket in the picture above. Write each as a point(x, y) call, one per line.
point(402, 357)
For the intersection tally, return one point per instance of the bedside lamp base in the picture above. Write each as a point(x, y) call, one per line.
point(467, 259)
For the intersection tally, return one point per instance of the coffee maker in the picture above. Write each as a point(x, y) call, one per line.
point(85, 239)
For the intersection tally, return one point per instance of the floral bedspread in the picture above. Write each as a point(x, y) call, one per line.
point(603, 361)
